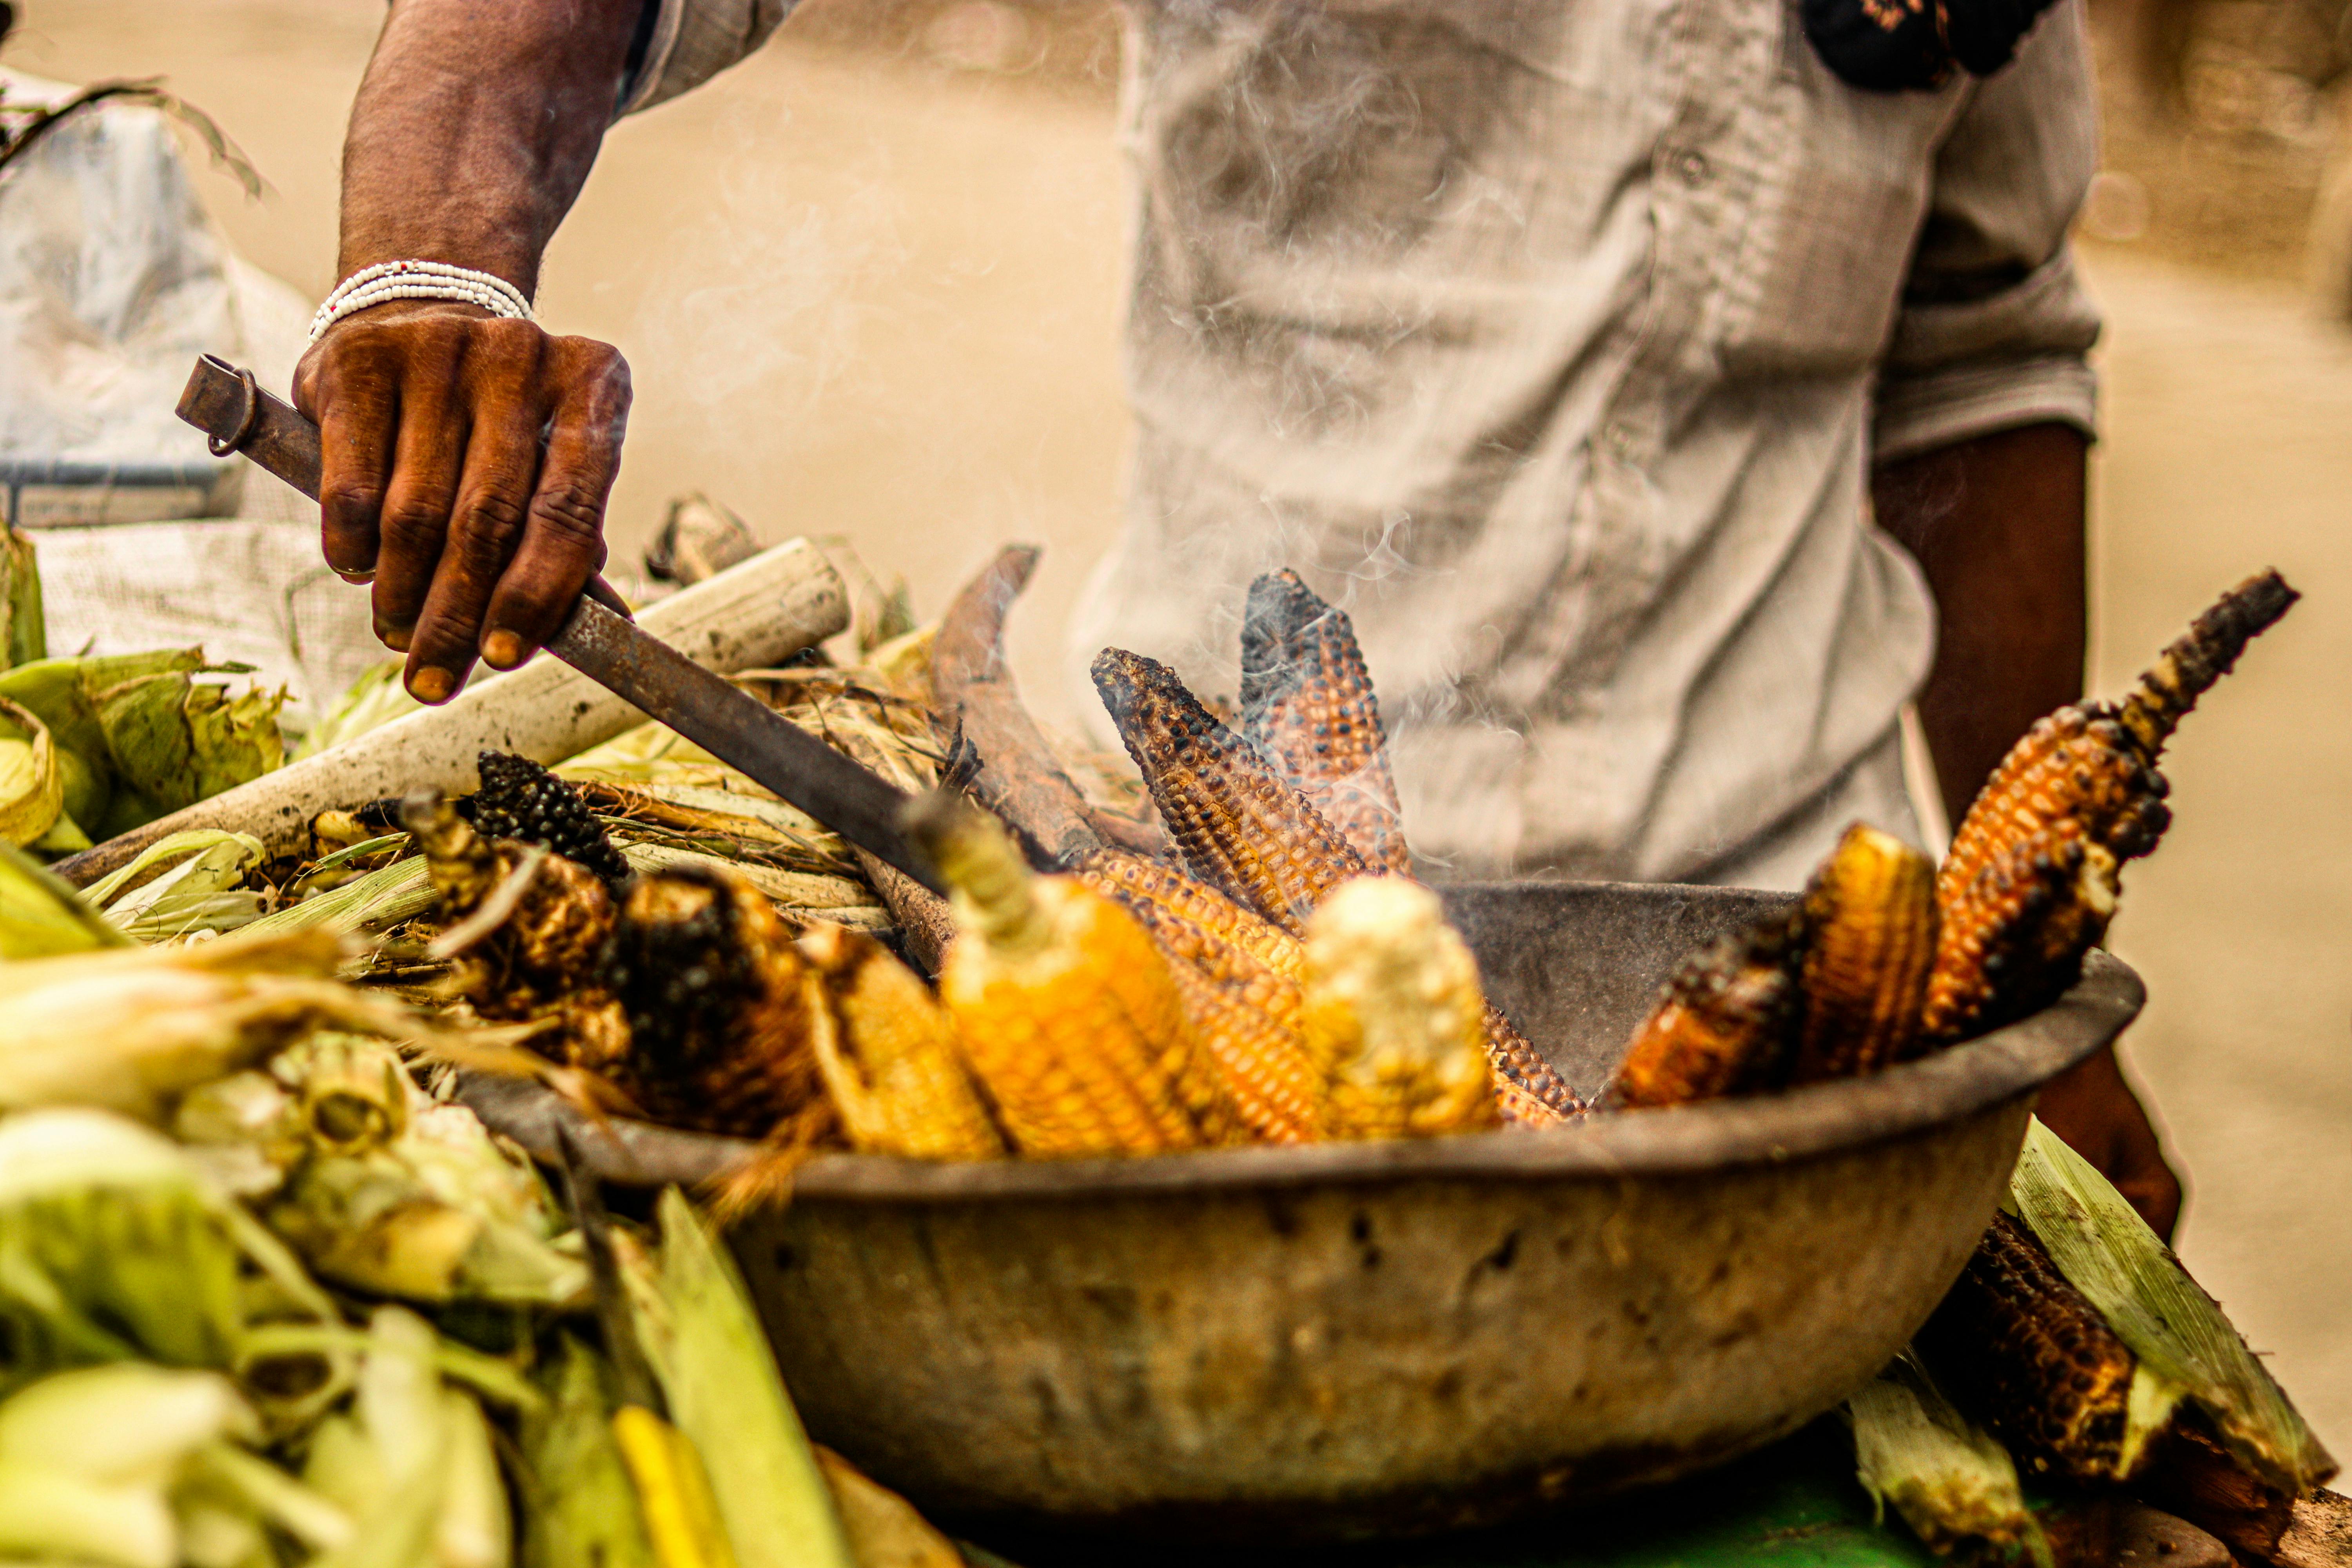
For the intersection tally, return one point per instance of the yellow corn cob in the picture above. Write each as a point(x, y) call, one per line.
point(1871, 913)
point(891, 1057)
point(1239, 825)
point(1308, 702)
point(1724, 1023)
point(1253, 1035)
point(1394, 1014)
point(1190, 917)
point(1068, 1016)
point(2035, 1361)
point(2032, 874)
point(721, 1020)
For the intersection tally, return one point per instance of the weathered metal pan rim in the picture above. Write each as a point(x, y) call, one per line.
point(1688, 1141)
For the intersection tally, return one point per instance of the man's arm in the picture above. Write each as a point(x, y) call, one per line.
point(473, 132)
point(1997, 522)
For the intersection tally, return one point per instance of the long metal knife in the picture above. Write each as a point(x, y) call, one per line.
point(706, 708)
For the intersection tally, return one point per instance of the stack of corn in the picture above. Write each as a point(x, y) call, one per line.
point(1888, 956)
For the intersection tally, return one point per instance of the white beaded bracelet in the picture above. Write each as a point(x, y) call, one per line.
point(388, 280)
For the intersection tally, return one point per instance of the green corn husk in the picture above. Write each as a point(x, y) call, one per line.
point(376, 1186)
point(175, 741)
point(183, 883)
point(703, 1338)
point(24, 629)
point(132, 1031)
point(2098, 1241)
point(377, 902)
point(88, 1461)
point(32, 790)
point(412, 1462)
point(578, 1503)
point(114, 1246)
point(1950, 1480)
point(374, 699)
point(40, 916)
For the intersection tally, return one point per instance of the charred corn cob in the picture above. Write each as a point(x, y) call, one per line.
point(1240, 980)
point(1239, 825)
point(1528, 1089)
point(721, 1019)
point(1871, 913)
point(888, 1053)
point(1308, 702)
point(2036, 1362)
point(1725, 1022)
point(549, 940)
point(1394, 1015)
point(2032, 877)
point(521, 800)
point(1069, 1018)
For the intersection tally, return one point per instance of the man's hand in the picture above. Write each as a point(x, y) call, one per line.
point(1997, 523)
point(466, 459)
point(435, 486)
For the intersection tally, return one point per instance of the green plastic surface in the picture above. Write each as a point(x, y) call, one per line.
point(1795, 1505)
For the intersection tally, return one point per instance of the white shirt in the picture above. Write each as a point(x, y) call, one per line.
point(1555, 342)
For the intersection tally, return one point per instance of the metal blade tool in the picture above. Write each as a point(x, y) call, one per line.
point(600, 642)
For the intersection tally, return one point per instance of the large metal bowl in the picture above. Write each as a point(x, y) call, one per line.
point(1346, 1340)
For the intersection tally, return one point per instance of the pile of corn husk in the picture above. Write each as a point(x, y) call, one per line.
point(268, 1299)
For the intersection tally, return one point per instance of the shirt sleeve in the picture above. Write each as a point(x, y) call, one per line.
point(1994, 324)
point(690, 41)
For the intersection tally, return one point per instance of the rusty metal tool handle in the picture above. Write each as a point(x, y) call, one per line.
point(600, 642)
point(237, 416)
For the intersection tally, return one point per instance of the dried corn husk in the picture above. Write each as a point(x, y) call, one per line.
point(376, 699)
point(704, 1341)
point(2105, 1250)
point(181, 884)
point(175, 742)
point(844, 901)
point(883, 1529)
point(1949, 1479)
point(377, 902)
point(132, 1031)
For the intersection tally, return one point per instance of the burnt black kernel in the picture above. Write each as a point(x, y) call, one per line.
point(521, 800)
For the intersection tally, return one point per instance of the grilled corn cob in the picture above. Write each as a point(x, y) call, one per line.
point(1069, 1018)
point(1871, 912)
point(1725, 1022)
point(1394, 1014)
point(546, 950)
point(2033, 875)
point(1528, 1089)
point(1192, 918)
point(889, 1056)
point(1239, 825)
point(2036, 1362)
point(721, 1019)
point(1240, 980)
point(521, 800)
point(1308, 702)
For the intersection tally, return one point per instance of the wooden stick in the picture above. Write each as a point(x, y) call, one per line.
point(758, 613)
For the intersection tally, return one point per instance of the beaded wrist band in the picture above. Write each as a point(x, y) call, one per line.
point(389, 280)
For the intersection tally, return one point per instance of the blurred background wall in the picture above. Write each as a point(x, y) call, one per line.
point(869, 286)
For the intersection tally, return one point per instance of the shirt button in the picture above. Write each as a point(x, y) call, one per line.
point(1692, 166)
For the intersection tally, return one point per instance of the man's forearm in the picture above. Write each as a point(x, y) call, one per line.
point(475, 127)
point(1997, 525)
